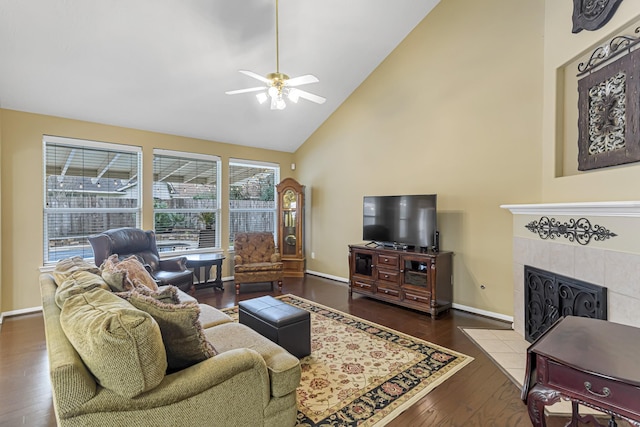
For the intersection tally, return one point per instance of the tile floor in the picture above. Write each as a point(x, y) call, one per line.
point(508, 349)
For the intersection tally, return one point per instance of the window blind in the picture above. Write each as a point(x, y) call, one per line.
point(252, 198)
point(89, 187)
point(186, 200)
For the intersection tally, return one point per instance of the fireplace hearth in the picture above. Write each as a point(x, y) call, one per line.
point(549, 296)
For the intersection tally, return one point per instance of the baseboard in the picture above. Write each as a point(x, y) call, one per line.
point(473, 310)
point(314, 273)
point(484, 313)
point(20, 312)
point(327, 276)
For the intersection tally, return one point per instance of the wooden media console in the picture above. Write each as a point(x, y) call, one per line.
point(421, 280)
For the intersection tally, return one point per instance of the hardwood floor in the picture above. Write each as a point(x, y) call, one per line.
point(479, 395)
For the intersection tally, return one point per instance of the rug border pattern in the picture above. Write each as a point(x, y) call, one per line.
point(392, 409)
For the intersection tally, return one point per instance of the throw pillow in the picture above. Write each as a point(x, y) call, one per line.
point(136, 274)
point(184, 340)
point(66, 267)
point(120, 345)
point(127, 274)
point(78, 282)
point(167, 294)
point(113, 277)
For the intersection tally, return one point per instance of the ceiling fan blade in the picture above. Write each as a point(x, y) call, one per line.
point(302, 80)
point(310, 96)
point(256, 76)
point(251, 89)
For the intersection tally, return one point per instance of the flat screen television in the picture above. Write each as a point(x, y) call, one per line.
point(400, 221)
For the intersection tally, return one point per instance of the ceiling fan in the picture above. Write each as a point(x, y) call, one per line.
point(279, 85)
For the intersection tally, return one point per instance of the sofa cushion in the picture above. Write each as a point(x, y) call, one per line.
point(121, 346)
point(66, 267)
point(210, 316)
point(76, 283)
point(127, 274)
point(284, 368)
point(184, 340)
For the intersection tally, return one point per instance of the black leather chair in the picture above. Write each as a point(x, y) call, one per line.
point(132, 241)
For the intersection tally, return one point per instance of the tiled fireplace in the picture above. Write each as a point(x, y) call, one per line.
point(598, 243)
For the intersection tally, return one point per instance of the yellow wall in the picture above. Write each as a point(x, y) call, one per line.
point(455, 110)
point(466, 107)
point(561, 49)
point(0, 214)
point(22, 188)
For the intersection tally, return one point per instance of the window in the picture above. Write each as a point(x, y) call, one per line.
point(186, 200)
point(89, 187)
point(252, 197)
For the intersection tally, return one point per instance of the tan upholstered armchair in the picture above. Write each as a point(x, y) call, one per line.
point(256, 260)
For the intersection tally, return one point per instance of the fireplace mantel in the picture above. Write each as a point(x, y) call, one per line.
point(617, 209)
point(611, 263)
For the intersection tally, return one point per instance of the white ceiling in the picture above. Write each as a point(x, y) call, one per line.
point(164, 65)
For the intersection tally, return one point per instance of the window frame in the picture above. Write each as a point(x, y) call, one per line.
point(83, 144)
point(276, 179)
point(184, 155)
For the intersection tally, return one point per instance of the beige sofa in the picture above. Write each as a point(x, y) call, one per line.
point(249, 382)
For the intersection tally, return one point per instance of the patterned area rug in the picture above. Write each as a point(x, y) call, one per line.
point(364, 374)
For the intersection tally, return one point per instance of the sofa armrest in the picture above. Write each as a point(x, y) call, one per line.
point(173, 264)
point(237, 260)
point(240, 372)
point(72, 383)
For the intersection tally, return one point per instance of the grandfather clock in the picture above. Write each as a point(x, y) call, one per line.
point(290, 214)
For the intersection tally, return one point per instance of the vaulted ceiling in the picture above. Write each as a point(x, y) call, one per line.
point(164, 65)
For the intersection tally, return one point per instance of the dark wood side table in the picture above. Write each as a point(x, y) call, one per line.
point(591, 362)
point(206, 261)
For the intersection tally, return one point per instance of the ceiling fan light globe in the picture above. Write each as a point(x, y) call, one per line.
point(273, 92)
point(280, 104)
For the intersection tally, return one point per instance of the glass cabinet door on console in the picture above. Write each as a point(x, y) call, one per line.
point(361, 269)
point(415, 278)
point(363, 264)
point(290, 231)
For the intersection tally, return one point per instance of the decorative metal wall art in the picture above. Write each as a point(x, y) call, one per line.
point(605, 53)
point(580, 231)
point(608, 107)
point(592, 14)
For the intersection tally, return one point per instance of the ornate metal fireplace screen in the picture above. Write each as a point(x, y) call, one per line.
point(549, 296)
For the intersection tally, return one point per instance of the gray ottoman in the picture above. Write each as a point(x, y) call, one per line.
point(284, 324)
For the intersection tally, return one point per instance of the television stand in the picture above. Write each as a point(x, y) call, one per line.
point(414, 278)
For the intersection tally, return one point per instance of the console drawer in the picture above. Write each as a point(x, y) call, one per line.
point(388, 276)
point(389, 261)
point(389, 291)
point(361, 285)
point(592, 388)
point(417, 297)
